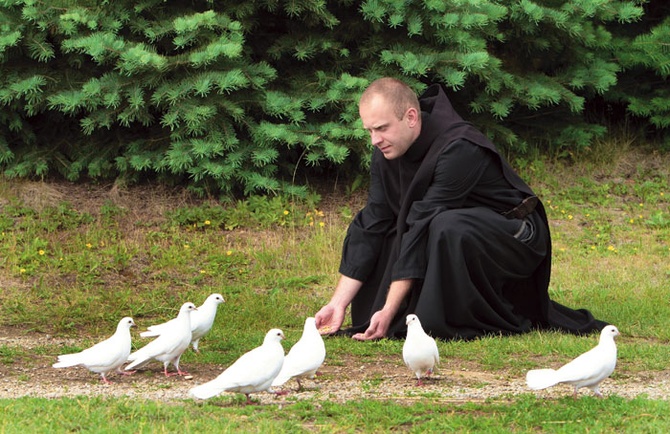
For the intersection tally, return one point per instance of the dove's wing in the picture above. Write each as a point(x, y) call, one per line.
point(158, 329)
point(589, 368)
point(202, 323)
point(304, 359)
point(420, 353)
point(169, 345)
point(105, 356)
point(252, 372)
point(584, 367)
point(98, 357)
point(165, 347)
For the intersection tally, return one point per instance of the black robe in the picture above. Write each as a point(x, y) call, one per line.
point(435, 215)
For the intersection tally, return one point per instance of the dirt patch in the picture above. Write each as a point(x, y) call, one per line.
point(347, 379)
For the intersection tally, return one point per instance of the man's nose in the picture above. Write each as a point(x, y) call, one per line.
point(376, 139)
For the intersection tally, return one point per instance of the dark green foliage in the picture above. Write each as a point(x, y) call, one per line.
point(258, 96)
point(644, 55)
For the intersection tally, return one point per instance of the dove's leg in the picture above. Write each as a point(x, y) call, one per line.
point(176, 365)
point(596, 391)
point(195, 345)
point(122, 372)
point(103, 377)
point(418, 378)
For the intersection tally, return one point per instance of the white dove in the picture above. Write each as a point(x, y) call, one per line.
point(305, 357)
point(253, 372)
point(169, 346)
point(419, 350)
point(587, 370)
point(201, 321)
point(104, 357)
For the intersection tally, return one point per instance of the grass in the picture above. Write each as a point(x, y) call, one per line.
point(74, 259)
point(524, 414)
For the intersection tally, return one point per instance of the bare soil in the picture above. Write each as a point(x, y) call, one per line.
point(348, 379)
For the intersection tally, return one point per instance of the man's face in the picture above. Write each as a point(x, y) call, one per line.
point(391, 135)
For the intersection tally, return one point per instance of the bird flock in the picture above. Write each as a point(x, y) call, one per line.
point(267, 368)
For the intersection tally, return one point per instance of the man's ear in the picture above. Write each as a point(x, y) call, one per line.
point(412, 116)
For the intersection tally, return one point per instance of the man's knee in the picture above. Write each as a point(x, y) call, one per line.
point(452, 223)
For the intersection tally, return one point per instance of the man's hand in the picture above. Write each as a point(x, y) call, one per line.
point(379, 326)
point(329, 319)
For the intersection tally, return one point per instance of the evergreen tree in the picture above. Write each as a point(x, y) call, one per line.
point(252, 96)
point(643, 88)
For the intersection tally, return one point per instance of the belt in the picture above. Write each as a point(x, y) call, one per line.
point(523, 209)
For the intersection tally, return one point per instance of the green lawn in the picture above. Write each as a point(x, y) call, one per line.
point(75, 259)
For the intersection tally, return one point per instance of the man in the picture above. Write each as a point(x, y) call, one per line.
point(449, 231)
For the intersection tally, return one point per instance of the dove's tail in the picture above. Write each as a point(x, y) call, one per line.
point(205, 391)
point(66, 361)
point(150, 333)
point(538, 379)
point(281, 379)
point(137, 361)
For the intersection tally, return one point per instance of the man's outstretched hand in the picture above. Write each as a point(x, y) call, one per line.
point(379, 326)
point(329, 319)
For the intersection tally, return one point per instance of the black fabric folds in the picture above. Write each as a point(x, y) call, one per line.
point(435, 215)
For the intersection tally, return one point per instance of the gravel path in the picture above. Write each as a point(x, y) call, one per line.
point(348, 380)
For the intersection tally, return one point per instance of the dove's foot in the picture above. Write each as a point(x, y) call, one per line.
point(105, 380)
point(280, 392)
point(129, 372)
point(249, 401)
point(178, 373)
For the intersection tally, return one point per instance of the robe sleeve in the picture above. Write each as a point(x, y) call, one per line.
point(458, 169)
point(367, 232)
